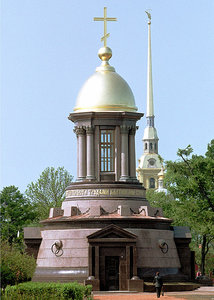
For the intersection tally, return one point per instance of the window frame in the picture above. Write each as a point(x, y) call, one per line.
point(153, 181)
point(107, 147)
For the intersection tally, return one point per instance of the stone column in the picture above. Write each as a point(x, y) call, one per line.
point(90, 153)
point(90, 261)
point(75, 131)
point(132, 157)
point(97, 264)
point(127, 262)
point(81, 157)
point(134, 261)
point(124, 153)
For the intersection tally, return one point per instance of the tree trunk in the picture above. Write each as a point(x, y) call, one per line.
point(203, 253)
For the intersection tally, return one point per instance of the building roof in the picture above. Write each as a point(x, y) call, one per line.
point(105, 90)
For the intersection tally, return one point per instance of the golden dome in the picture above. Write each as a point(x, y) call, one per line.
point(105, 90)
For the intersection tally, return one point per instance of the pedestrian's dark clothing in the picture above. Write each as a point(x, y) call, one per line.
point(158, 282)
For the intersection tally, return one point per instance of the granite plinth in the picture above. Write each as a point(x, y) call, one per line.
point(94, 282)
point(136, 285)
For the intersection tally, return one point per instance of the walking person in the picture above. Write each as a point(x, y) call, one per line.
point(158, 282)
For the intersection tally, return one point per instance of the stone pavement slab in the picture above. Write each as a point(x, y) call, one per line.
point(138, 296)
point(203, 293)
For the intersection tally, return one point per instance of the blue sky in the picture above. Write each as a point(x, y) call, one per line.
point(49, 48)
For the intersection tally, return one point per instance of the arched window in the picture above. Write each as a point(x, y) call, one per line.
point(145, 146)
point(151, 183)
point(150, 146)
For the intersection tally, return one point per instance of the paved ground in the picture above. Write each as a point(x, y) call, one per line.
point(203, 293)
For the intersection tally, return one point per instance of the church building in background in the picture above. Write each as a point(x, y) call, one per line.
point(149, 163)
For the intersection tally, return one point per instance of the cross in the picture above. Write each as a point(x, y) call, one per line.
point(105, 19)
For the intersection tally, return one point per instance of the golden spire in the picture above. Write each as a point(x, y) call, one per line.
point(105, 19)
point(150, 105)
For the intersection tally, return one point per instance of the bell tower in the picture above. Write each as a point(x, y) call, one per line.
point(149, 163)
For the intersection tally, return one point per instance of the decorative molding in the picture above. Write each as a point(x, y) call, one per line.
point(89, 130)
point(124, 129)
point(105, 192)
point(79, 130)
point(133, 130)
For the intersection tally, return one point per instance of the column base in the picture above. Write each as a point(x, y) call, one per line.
point(90, 177)
point(80, 179)
point(124, 178)
point(134, 179)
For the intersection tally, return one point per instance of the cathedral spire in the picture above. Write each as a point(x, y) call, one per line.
point(150, 105)
point(150, 134)
point(149, 163)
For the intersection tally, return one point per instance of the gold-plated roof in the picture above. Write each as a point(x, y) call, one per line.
point(105, 90)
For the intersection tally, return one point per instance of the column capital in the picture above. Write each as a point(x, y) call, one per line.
point(79, 130)
point(133, 130)
point(89, 130)
point(124, 129)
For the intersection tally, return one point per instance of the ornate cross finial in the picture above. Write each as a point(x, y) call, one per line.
point(105, 19)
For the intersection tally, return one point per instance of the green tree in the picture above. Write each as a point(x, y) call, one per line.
point(16, 211)
point(15, 266)
point(49, 190)
point(165, 201)
point(191, 182)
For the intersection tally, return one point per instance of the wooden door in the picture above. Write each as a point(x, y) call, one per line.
point(112, 273)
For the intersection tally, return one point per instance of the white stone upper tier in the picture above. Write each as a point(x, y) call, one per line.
point(144, 161)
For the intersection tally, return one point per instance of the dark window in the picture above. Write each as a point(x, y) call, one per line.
point(107, 150)
point(145, 146)
point(151, 183)
point(150, 145)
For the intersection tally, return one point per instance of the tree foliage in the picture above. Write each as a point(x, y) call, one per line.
point(191, 181)
point(193, 177)
point(16, 211)
point(165, 201)
point(15, 266)
point(49, 190)
point(190, 202)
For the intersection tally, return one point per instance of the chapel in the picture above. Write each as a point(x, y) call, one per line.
point(106, 233)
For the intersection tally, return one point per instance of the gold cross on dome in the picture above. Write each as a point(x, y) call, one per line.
point(105, 19)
